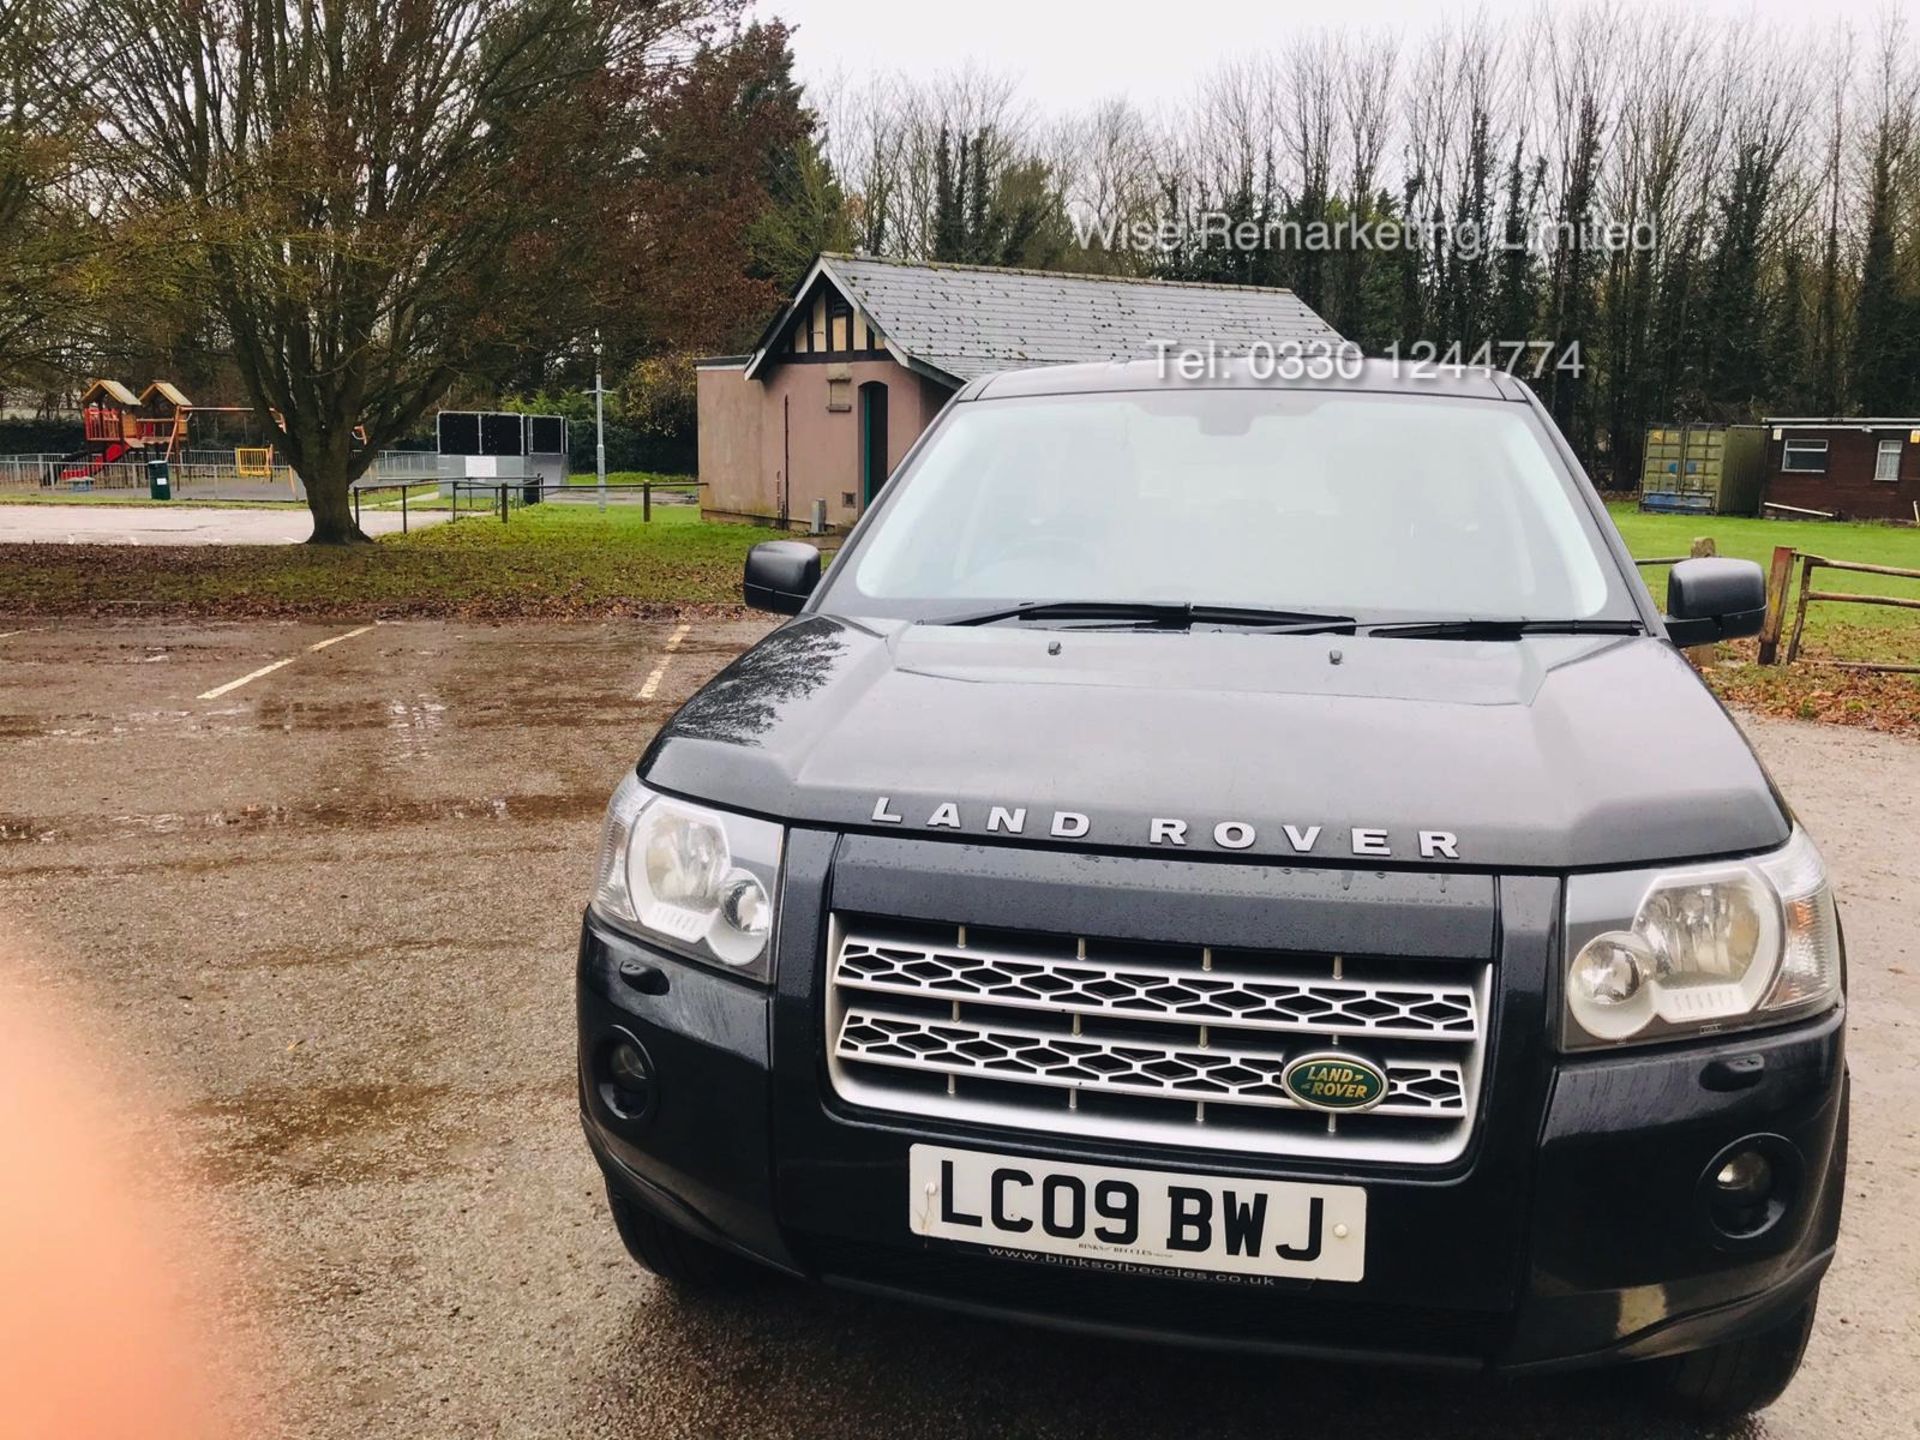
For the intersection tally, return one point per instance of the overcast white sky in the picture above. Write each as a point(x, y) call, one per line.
point(1069, 52)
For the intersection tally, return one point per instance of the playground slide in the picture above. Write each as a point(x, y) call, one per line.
point(113, 454)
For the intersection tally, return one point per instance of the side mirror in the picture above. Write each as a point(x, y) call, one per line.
point(1712, 599)
point(781, 574)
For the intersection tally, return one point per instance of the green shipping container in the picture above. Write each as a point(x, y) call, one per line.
point(1709, 469)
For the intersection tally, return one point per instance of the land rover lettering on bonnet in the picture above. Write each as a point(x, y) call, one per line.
point(1364, 841)
point(1240, 862)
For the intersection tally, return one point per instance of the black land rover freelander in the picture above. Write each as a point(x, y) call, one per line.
point(1236, 862)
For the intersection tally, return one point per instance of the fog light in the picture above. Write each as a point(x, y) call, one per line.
point(626, 1083)
point(628, 1067)
point(1750, 1187)
point(1746, 1178)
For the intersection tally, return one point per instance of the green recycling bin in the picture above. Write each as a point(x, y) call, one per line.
point(159, 480)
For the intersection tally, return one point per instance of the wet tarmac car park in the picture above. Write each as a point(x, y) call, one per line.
point(318, 887)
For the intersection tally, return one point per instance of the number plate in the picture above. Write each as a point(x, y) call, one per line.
point(1150, 1218)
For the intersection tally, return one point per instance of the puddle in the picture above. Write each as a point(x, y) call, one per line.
point(317, 814)
point(314, 1134)
point(432, 715)
point(85, 725)
point(310, 1135)
point(414, 719)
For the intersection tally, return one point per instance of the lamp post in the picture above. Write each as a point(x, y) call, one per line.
point(599, 424)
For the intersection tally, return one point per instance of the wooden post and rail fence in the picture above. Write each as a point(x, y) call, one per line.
point(1779, 578)
point(1780, 584)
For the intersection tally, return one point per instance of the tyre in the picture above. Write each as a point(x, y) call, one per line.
point(684, 1261)
point(1741, 1376)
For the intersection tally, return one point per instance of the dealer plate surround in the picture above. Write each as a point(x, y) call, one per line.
point(1150, 1218)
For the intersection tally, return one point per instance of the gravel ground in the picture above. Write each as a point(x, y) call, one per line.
point(329, 915)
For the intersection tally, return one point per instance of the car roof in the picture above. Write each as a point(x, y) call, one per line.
point(1404, 377)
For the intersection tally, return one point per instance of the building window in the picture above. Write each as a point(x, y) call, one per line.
point(1886, 464)
point(1804, 457)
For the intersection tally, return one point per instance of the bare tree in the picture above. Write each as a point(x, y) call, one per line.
point(1579, 63)
point(1827, 334)
point(370, 193)
point(1237, 140)
point(1656, 183)
point(866, 143)
point(48, 234)
point(1309, 124)
point(1110, 162)
point(1367, 110)
point(1886, 306)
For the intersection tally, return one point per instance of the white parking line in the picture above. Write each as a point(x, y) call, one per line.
point(322, 644)
point(648, 690)
point(232, 685)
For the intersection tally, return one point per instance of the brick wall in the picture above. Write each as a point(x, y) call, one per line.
point(1848, 488)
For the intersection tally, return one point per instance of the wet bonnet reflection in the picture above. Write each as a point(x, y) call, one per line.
point(741, 704)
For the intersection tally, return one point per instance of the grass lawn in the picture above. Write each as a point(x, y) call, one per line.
point(1876, 633)
point(552, 560)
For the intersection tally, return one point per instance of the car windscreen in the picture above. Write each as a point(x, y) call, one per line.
point(1375, 505)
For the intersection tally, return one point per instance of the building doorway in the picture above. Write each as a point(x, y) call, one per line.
point(873, 440)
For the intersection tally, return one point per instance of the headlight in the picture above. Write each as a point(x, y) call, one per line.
point(699, 881)
point(1658, 953)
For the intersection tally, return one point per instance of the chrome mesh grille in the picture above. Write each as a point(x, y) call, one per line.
point(1164, 1071)
point(1176, 1045)
point(1240, 995)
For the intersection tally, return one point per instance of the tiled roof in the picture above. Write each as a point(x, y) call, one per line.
point(969, 320)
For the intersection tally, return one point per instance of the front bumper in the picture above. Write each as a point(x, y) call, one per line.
point(1571, 1234)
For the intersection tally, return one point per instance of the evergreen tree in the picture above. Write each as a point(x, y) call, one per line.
point(1412, 253)
point(989, 210)
point(1829, 389)
point(1471, 301)
point(1516, 299)
point(1881, 323)
point(1567, 383)
point(1735, 362)
point(1788, 390)
point(949, 222)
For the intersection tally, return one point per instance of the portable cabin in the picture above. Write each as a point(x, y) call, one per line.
point(1845, 467)
point(1704, 469)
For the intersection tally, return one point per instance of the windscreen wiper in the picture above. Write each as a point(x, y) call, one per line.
point(1172, 614)
point(1469, 629)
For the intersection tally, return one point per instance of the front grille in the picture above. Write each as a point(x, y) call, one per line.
point(1162, 1069)
point(1154, 1043)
